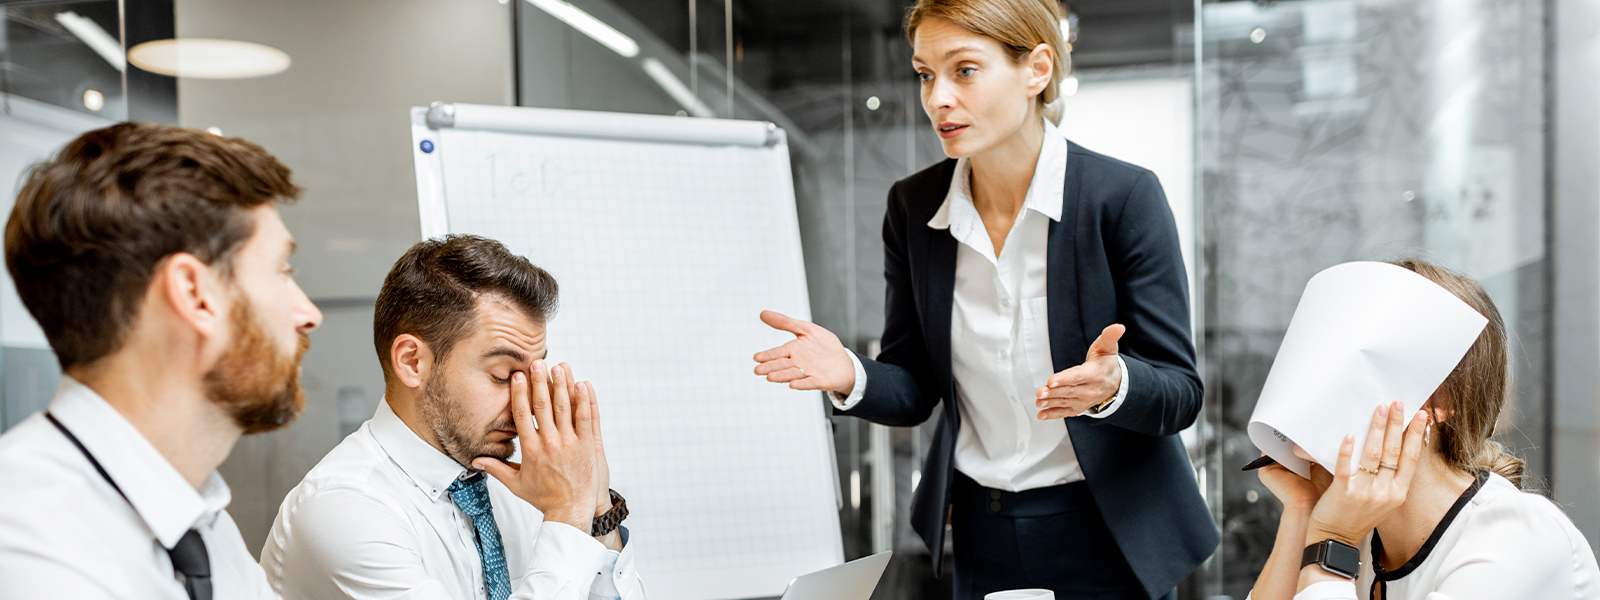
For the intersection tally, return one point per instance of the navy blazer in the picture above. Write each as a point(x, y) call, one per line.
point(1113, 257)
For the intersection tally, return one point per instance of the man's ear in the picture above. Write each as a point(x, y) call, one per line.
point(412, 360)
point(1040, 67)
point(194, 292)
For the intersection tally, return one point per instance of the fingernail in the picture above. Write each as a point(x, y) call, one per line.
point(1349, 438)
point(518, 376)
point(555, 371)
point(1383, 410)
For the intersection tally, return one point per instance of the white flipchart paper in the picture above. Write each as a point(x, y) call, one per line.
point(666, 252)
point(1365, 334)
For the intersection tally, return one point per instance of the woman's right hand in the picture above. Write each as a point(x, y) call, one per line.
point(813, 360)
point(1295, 492)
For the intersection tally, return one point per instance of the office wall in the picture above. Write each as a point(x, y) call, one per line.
point(1575, 217)
point(338, 117)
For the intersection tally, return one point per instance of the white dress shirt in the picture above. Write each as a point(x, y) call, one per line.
point(1505, 543)
point(66, 533)
point(1000, 338)
point(374, 520)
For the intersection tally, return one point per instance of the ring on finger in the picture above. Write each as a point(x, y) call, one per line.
point(802, 373)
point(1389, 466)
point(1364, 469)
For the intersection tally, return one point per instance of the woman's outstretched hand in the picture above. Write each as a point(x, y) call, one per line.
point(1367, 488)
point(813, 360)
point(1075, 390)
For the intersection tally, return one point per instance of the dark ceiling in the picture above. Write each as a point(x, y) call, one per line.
point(786, 42)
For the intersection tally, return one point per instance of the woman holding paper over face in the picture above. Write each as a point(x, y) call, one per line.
point(1037, 290)
point(1428, 508)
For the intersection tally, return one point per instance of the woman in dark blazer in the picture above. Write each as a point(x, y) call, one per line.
point(1030, 282)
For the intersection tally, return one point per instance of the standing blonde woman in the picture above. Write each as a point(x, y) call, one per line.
point(1037, 290)
point(1432, 510)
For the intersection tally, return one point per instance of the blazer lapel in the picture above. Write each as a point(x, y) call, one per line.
point(1067, 343)
point(938, 300)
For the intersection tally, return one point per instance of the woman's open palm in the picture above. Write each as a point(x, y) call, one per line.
point(813, 360)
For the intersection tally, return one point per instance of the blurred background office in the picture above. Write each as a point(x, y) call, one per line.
point(1290, 136)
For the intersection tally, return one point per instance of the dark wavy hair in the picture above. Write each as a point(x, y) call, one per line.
point(433, 290)
point(92, 223)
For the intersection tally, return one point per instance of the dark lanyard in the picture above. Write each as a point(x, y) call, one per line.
point(188, 557)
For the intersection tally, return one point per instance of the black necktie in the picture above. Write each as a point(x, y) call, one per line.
point(189, 558)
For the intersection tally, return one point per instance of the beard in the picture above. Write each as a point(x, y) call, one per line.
point(451, 425)
point(256, 383)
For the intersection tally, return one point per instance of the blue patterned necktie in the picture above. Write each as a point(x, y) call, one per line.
point(471, 495)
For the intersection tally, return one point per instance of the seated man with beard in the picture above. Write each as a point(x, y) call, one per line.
point(156, 263)
point(402, 509)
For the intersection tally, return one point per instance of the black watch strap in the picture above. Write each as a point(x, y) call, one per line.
point(1333, 556)
point(608, 522)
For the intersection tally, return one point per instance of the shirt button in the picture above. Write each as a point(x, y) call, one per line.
point(994, 494)
point(994, 506)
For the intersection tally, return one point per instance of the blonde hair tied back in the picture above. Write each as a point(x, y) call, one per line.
point(1476, 390)
point(1018, 25)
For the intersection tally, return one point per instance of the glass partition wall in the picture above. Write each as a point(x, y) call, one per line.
point(1341, 130)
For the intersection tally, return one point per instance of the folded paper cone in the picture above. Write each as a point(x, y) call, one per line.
point(1365, 333)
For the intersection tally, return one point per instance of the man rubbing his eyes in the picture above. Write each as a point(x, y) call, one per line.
point(424, 501)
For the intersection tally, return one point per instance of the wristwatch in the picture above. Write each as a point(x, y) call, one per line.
point(1333, 556)
point(1101, 407)
point(608, 522)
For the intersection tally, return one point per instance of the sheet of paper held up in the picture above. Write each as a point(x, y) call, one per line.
point(1365, 333)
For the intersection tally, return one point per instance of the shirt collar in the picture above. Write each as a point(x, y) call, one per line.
point(1044, 192)
point(431, 470)
point(163, 499)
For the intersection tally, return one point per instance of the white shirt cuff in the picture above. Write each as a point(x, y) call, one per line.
point(565, 558)
point(1328, 590)
point(843, 402)
point(1122, 393)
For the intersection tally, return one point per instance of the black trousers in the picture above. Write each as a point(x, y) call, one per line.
point(1051, 538)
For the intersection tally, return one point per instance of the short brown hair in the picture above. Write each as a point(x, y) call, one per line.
point(433, 291)
point(1019, 26)
point(92, 223)
point(1477, 388)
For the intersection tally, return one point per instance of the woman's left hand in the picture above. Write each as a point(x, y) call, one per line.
point(1070, 392)
point(1364, 493)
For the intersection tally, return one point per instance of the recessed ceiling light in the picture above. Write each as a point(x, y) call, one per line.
point(595, 28)
point(209, 59)
point(93, 100)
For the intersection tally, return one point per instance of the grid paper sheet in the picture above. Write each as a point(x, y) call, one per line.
point(666, 254)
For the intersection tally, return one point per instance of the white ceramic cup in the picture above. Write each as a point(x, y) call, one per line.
point(1030, 594)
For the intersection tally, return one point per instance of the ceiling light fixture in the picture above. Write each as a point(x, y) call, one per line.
point(94, 100)
point(209, 59)
point(95, 37)
point(607, 35)
point(675, 88)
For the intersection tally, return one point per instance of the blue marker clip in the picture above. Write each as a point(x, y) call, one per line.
point(427, 146)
